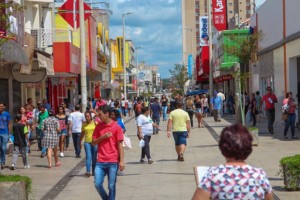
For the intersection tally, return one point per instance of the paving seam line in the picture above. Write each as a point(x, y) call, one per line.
point(217, 138)
point(62, 183)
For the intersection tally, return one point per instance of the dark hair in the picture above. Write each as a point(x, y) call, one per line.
point(144, 109)
point(257, 92)
point(88, 112)
point(287, 94)
point(105, 109)
point(179, 104)
point(1, 102)
point(116, 104)
point(235, 142)
point(51, 112)
point(62, 108)
point(18, 117)
point(28, 99)
point(116, 112)
point(77, 107)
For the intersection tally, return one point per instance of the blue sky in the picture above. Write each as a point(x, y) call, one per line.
point(155, 25)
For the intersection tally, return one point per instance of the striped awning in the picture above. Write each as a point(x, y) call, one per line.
point(12, 52)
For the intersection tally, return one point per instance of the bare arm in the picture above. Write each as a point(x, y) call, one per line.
point(169, 127)
point(10, 126)
point(201, 194)
point(140, 132)
point(269, 196)
point(188, 127)
point(121, 154)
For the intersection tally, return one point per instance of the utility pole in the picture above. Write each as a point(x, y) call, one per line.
point(211, 83)
point(82, 57)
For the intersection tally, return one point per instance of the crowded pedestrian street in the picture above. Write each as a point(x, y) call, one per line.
point(165, 178)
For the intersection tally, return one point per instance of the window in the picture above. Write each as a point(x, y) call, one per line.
point(230, 4)
point(248, 12)
point(4, 92)
point(230, 11)
point(248, 3)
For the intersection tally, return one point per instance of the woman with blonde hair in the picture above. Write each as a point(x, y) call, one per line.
point(199, 109)
point(190, 108)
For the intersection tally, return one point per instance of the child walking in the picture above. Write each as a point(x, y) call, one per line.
point(21, 141)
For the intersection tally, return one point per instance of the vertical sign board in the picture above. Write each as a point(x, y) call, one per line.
point(219, 12)
point(190, 65)
point(203, 31)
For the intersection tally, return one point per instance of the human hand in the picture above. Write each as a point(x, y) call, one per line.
point(107, 135)
point(168, 134)
point(80, 146)
point(189, 134)
point(121, 166)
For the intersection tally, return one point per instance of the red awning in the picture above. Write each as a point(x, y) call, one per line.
point(205, 59)
point(202, 65)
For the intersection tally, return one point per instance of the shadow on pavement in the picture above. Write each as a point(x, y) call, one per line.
point(174, 173)
point(205, 146)
point(134, 163)
point(167, 160)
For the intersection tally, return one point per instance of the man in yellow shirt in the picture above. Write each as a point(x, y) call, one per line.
point(179, 122)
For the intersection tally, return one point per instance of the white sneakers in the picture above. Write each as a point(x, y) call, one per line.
point(61, 154)
point(26, 166)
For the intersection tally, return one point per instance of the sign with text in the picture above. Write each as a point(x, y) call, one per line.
point(219, 12)
point(203, 31)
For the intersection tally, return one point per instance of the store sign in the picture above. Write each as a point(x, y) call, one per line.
point(37, 74)
point(115, 84)
point(219, 12)
point(204, 31)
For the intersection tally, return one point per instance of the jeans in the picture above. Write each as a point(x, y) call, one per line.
point(290, 122)
point(124, 111)
point(67, 140)
point(40, 136)
point(253, 118)
point(156, 120)
point(146, 148)
point(3, 143)
point(91, 156)
point(15, 155)
point(191, 115)
point(101, 170)
point(216, 114)
point(165, 109)
point(76, 141)
point(271, 118)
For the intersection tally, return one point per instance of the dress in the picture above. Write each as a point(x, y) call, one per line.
point(51, 137)
point(236, 182)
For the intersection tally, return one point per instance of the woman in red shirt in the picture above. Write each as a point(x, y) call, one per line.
point(290, 105)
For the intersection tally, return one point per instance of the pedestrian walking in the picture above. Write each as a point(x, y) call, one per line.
point(75, 126)
point(116, 116)
point(222, 96)
point(289, 107)
point(51, 129)
point(27, 122)
point(235, 179)
point(123, 107)
point(21, 141)
point(258, 105)
point(43, 114)
point(216, 105)
point(108, 135)
point(145, 130)
point(199, 108)
point(130, 107)
point(253, 108)
point(155, 113)
point(230, 104)
point(164, 105)
point(63, 124)
point(88, 128)
point(68, 111)
point(138, 108)
point(190, 109)
point(269, 99)
point(205, 105)
point(179, 123)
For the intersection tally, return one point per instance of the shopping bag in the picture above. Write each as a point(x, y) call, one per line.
point(248, 117)
point(9, 146)
point(142, 143)
point(127, 142)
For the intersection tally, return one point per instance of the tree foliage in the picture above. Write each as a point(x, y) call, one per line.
point(179, 75)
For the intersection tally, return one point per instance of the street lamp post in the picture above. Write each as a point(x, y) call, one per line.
point(211, 85)
point(124, 64)
point(191, 29)
point(137, 70)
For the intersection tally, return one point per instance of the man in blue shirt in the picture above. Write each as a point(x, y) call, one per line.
point(216, 104)
point(5, 129)
point(155, 112)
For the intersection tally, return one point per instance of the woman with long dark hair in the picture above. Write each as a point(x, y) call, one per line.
point(63, 123)
point(164, 105)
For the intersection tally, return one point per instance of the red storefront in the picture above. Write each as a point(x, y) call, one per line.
point(202, 65)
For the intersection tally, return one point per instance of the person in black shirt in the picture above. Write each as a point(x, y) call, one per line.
point(155, 112)
point(21, 141)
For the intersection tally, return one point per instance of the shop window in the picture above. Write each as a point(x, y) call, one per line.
point(16, 96)
point(4, 92)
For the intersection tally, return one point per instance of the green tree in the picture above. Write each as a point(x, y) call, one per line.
point(179, 76)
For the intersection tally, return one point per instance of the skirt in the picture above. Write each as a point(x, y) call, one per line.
point(50, 139)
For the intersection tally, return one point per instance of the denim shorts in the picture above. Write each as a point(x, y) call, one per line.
point(180, 137)
point(63, 132)
point(198, 110)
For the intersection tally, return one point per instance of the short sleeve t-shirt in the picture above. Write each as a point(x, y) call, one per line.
point(4, 121)
point(270, 100)
point(155, 108)
point(236, 182)
point(76, 118)
point(217, 102)
point(108, 148)
point(42, 117)
point(88, 129)
point(179, 118)
point(146, 124)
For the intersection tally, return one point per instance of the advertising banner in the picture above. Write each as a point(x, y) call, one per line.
point(219, 12)
point(203, 31)
point(190, 65)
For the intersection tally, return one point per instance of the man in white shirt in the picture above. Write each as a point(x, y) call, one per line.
point(222, 96)
point(75, 124)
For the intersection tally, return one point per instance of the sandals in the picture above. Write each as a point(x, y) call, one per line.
point(58, 164)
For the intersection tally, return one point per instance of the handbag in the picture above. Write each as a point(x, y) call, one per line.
point(126, 142)
point(284, 116)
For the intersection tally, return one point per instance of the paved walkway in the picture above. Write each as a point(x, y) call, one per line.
point(166, 178)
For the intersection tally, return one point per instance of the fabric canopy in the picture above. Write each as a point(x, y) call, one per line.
point(10, 51)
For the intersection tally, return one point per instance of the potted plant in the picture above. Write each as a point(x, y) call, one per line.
point(254, 132)
point(15, 187)
point(290, 169)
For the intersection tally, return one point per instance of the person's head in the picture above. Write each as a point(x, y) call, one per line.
point(42, 108)
point(257, 93)
point(51, 112)
point(163, 96)
point(61, 110)
point(215, 94)
point(77, 107)
point(179, 104)
point(115, 114)
point(29, 101)
point(289, 94)
point(88, 116)
point(203, 96)
point(89, 98)
point(104, 113)
point(116, 104)
point(156, 99)
point(22, 110)
point(235, 142)
point(197, 97)
point(28, 107)
point(145, 111)
point(252, 95)
point(45, 101)
point(269, 90)
point(18, 117)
